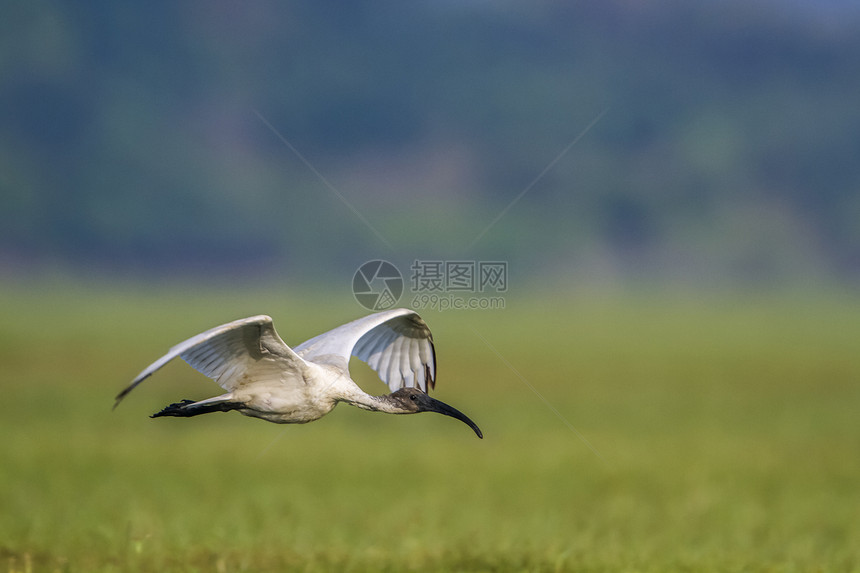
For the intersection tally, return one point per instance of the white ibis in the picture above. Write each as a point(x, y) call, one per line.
point(267, 379)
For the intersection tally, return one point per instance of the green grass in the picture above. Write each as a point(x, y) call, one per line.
point(727, 428)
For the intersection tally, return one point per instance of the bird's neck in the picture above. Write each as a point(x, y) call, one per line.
point(361, 399)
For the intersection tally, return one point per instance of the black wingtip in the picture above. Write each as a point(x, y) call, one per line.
point(119, 397)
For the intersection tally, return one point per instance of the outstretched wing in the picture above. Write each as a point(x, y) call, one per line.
point(397, 344)
point(227, 352)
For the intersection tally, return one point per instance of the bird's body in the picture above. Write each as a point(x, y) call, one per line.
point(264, 378)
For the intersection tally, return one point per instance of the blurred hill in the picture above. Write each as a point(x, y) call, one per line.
point(156, 137)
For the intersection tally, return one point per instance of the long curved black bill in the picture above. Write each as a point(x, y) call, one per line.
point(434, 405)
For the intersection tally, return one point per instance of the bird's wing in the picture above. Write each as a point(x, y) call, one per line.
point(226, 352)
point(397, 344)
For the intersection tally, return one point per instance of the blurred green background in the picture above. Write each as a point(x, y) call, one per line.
point(136, 138)
point(672, 383)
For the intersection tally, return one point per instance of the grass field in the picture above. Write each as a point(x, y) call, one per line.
point(725, 434)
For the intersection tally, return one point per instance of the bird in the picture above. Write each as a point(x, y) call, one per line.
point(264, 378)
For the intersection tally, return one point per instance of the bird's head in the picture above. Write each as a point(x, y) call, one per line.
point(413, 400)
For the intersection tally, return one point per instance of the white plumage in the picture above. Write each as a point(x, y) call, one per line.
point(267, 379)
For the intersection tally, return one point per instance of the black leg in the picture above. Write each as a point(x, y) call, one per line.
point(186, 409)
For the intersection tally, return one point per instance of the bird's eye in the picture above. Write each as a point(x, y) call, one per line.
point(413, 397)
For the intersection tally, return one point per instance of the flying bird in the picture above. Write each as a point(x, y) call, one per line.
point(265, 378)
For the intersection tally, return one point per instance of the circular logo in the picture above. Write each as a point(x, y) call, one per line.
point(377, 285)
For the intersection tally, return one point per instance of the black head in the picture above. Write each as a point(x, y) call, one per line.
point(413, 400)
